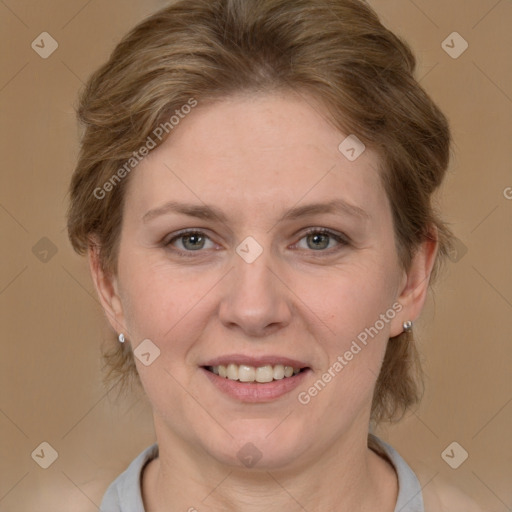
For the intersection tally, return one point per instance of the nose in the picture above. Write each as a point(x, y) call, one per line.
point(255, 300)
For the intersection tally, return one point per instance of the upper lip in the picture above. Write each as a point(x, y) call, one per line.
point(255, 361)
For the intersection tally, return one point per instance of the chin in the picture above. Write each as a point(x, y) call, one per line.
point(259, 449)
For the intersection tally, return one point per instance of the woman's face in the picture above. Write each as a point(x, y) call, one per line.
point(251, 286)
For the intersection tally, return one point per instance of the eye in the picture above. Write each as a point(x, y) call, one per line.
point(319, 239)
point(190, 241)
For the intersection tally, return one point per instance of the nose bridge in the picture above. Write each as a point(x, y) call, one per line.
point(254, 299)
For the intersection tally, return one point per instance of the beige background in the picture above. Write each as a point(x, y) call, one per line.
point(52, 325)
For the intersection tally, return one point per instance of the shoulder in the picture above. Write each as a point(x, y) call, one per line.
point(124, 494)
point(419, 491)
point(442, 496)
point(111, 500)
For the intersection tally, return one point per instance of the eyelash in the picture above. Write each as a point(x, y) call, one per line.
point(342, 239)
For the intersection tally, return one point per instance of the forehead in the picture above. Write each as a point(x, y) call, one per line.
point(260, 150)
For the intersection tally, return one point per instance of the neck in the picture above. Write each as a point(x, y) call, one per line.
point(348, 476)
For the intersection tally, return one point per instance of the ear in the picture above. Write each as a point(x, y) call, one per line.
point(107, 289)
point(414, 286)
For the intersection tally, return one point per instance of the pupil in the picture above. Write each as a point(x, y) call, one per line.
point(194, 238)
point(317, 236)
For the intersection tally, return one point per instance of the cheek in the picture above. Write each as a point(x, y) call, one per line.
point(356, 304)
point(164, 303)
point(350, 297)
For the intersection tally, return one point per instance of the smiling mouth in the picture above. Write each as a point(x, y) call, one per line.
point(251, 374)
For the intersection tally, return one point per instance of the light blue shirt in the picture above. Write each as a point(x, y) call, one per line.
point(124, 493)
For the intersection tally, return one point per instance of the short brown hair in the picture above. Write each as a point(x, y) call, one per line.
point(338, 52)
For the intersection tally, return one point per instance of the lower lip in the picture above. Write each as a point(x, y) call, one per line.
point(254, 391)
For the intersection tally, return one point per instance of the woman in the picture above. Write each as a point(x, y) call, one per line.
point(254, 195)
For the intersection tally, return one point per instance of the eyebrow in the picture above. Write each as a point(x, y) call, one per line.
point(209, 212)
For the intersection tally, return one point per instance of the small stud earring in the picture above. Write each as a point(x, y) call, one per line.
point(407, 326)
point(121, 338)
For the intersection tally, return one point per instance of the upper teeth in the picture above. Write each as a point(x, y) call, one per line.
point(246, 373)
